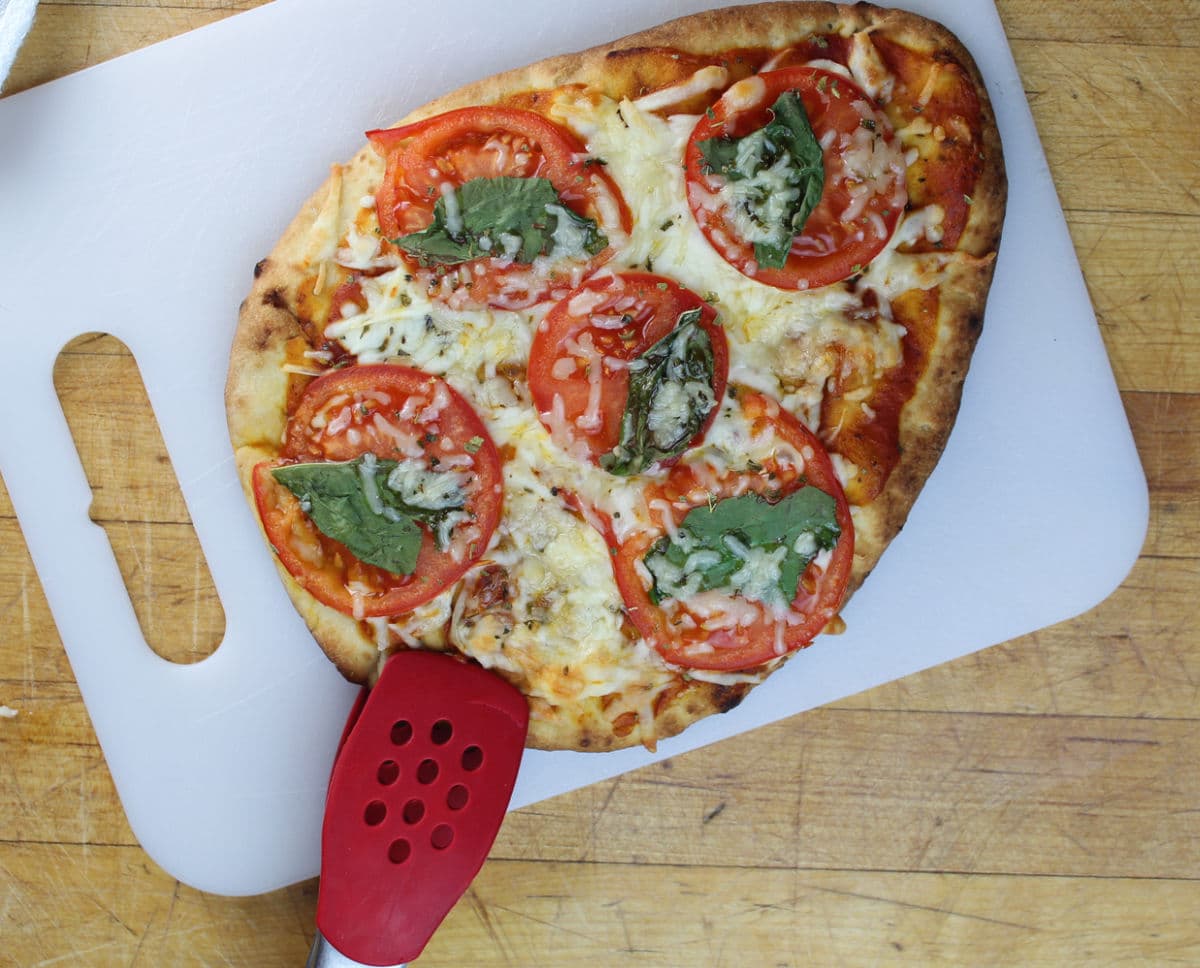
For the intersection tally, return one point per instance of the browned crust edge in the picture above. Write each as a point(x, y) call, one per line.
point(256, 386)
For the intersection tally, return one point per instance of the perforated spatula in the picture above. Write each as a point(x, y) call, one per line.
point(419, 788)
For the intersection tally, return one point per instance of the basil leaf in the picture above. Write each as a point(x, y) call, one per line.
point(720, 157)
point(777, 174)
point(521, 218)
point(710, 548)
point(670, 397)
point(353, 502)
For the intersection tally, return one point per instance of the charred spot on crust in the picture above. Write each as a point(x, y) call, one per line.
point(271, 331)
point(259, 266)
point(274, 298)
point(633, 71)
point(628, 52)
point(262, 338)
point(726, 698)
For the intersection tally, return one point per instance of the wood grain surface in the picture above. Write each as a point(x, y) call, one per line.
point(1037, 803)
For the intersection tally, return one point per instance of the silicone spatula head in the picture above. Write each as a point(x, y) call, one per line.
point(417, 795)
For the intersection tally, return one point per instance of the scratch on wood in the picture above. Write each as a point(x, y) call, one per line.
point(545, 923)
point(27, 630)
point(676, 785)
point(78, 956)
point(597, 815)
point(26, 619)
point(485, 918)
point(84, 815)
point(137, 952)
point(769, 906)
point(171, 909)
point(922, 907)
point(581, 913)
point(1079, 844)
point(714, 812)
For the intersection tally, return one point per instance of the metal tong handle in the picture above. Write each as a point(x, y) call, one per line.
point(325, 955)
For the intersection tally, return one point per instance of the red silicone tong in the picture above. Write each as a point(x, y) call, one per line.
point(419, 788)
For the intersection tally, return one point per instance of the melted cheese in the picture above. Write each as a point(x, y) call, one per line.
point(867, 68)
point(706, 79)
point(400, 322)
point(561, 632)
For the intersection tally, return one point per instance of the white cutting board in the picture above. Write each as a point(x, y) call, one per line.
point(136, 198)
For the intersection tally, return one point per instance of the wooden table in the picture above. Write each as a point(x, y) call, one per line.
point(1036, 803)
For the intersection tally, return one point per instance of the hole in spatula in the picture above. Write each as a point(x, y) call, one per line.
point(427, 772)
point(399, 850)
point(402, 732)
point(375, 813)
point(136, 498)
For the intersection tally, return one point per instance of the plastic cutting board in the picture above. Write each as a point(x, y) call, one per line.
point(137, 197)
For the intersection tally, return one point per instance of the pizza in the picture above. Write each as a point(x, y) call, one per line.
point(617, 373)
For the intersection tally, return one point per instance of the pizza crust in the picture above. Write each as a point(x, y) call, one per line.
point(272, 323)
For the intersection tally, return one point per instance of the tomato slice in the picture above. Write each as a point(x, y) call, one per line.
point(864, 191)
point(488, 142)
point(739, 633)
point(578, 375)
point(395, 413)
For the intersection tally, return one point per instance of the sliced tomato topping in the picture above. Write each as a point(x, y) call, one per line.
point(579, 373)
point(864, 189)
point(397, 414)
point(428, 158)
point(727, 631)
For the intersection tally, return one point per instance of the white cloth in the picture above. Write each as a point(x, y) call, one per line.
point(16, 17)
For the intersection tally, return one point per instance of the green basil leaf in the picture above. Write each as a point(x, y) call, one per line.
point(778, 176)
point(720, 157)
point(670, 397)
point(704, 554)
point(522, 218)
point(380, 529)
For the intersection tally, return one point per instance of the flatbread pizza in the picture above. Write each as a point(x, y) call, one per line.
point(616, 374)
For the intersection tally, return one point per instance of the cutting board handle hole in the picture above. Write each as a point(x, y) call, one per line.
point(136, 498)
